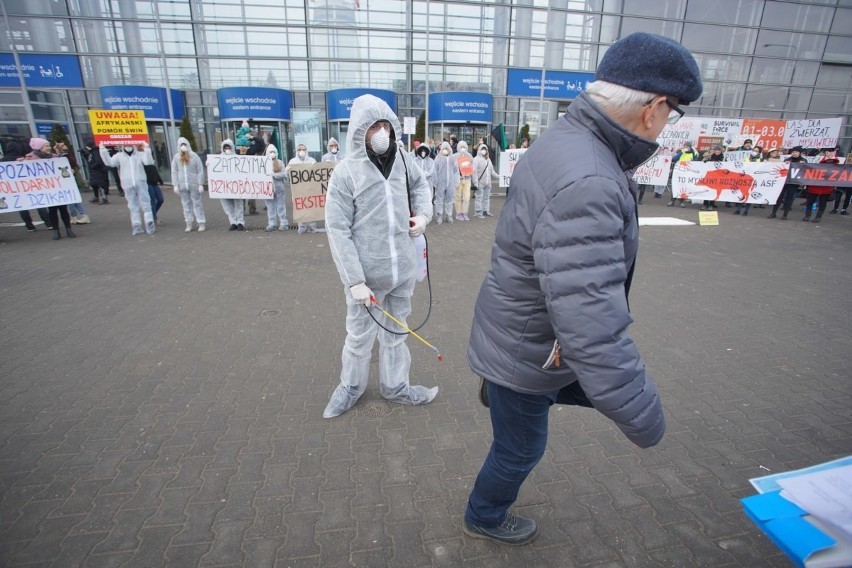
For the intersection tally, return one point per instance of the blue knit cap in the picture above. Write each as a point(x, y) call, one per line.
point(654, 64)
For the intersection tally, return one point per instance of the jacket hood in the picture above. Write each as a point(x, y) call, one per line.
point(330, 142)
point(366, 111)
point(461, 146)
point(630, 150)
point(422, 151)
point(271, 150)
point(481, 146)
point(447, 146)
point(183, 140)
point(226, 142)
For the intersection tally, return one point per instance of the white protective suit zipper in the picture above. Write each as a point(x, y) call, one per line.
point(389, 201)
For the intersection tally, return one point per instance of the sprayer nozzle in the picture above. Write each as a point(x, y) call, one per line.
point(440, 358)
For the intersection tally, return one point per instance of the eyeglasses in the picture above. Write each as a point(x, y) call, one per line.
point(675, 114)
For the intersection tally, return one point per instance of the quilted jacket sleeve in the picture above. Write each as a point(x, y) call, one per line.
point(578, 249)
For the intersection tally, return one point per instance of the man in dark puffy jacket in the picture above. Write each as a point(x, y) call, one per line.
point(550, 322)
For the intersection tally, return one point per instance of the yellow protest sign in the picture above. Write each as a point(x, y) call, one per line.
point(709, 218)
point(118, 127)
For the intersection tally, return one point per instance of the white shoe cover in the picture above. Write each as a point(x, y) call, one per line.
point(407, 394)
point(342, 399)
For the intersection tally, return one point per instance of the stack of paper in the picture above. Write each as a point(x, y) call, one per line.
point(807, 513)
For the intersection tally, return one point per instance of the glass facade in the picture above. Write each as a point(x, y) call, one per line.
point(759, 58)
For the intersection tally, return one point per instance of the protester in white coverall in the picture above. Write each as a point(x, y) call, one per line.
point(276, 208)
point(333, 154)
point(425, 162)
point(483, 169)
point(188, 177)
point(371, 219)
point(234, 208)
point(131, 162)
point(302, 157)
point(445, 178)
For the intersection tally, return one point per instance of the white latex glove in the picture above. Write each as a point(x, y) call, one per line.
point(417, 225)
point(176, 190)
point(200, 189)
point(361, 294)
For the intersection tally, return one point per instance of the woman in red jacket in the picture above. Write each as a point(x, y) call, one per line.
point(820, 192)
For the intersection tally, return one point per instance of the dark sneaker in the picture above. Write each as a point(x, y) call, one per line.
point(833, 212)
point(241, 227)
point(233, 227)
point(483, 392)
point(514, 531)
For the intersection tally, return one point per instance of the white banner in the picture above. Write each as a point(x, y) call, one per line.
point(758, 182)
point(812, 132)
point(726, 128)
point(239, 177)
point(31, 184)
point(654, 171)
point(508, 161)
point(674, 135)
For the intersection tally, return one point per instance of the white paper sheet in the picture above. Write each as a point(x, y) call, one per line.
point(824, 494)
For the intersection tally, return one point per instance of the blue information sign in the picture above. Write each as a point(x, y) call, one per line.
point(56, 71)
point(254, 103)
point(338, 102)
point(557, 84)
point(460, 106)
point(151, 100)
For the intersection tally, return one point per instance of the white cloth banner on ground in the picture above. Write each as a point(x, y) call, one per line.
point(508, 161)
point(654, 171)
point(748, 182)
point(308, 188)
point(31, 184)
point(239, 177)
point(812, 132)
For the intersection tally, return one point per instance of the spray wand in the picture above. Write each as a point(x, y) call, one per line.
point(407, 329)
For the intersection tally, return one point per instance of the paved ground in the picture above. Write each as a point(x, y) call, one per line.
point(161, 402)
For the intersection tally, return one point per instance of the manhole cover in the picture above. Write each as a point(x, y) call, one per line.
point(270, 313)
point(376, 408)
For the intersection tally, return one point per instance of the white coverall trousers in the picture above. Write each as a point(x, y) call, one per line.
point(191, 201)
point(235, 210)
point(137, 197)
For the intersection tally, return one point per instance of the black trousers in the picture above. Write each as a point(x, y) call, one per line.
point(786, 197)
point(840, 192)
point(27, 218)
point(59, 211)
point(809, 203)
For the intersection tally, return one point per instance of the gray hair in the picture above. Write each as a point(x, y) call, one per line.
point(617, 101)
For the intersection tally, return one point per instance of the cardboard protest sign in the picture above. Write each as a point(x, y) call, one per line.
point(832, 175)
point(812, 132)
point(654, 171)
point(30, 184)
point(748, 182)
point(308, 188)
point(764, 132)
point(118, 127)
point(232, 176)
point(508, 161)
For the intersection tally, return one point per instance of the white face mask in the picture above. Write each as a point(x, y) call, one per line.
point(183, 148)
point(334, 150)
point(445, 152)
point(380, 141)
point(302, 154)
point(129, 149)
point(483, 152)
point(228, 151)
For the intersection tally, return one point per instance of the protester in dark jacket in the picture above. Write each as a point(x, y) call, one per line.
point(98, 173)
point(42, 151)
point(550, 323)
point(13, 154)
point(155, 189)
point(788, 193)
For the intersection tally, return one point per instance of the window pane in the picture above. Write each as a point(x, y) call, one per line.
point(839, 49)
point(722, 67)
point(722, 96)
point(698, 37)
point(659, 27)
point(842, 21)
point(799, 17)
point(775, 98)
point(831, 102)
point(43, 7)
point(670, 9)
point(790, 45)
point(739, 12)
point(40, 34)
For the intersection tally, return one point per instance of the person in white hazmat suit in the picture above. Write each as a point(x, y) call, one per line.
point(276, 208)
point(483, 169)
point(445, 177)
point(333, 153)
point(188, 179)
point(370, 219)
point(234, 208)
point(131, 162)
point(302, 157)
